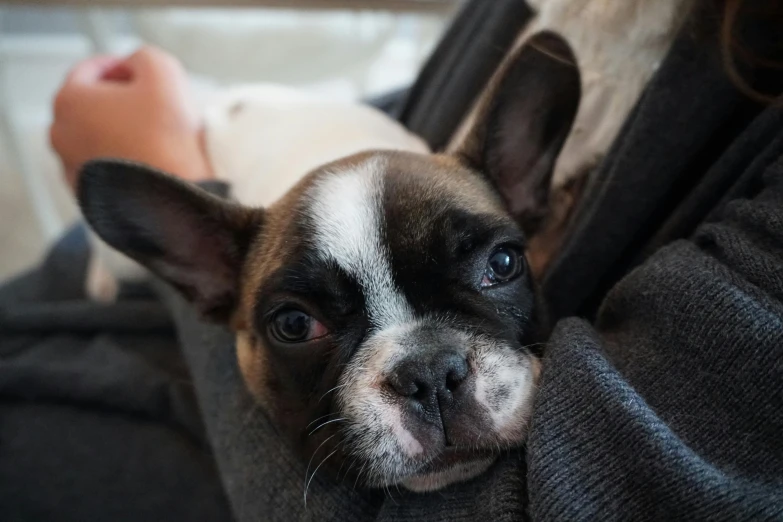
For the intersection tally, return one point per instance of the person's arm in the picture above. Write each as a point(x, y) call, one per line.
point(671, 406)
point(137, 108)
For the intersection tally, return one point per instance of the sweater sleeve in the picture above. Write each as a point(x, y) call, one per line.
point(670, 406)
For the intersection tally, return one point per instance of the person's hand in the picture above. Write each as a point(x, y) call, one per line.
point(138, 108)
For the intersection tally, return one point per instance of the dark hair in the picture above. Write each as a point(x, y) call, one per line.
point(735, 53)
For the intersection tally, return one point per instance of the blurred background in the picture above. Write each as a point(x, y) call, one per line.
point(351, 49)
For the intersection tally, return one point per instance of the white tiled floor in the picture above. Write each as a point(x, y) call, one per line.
point(339, 54)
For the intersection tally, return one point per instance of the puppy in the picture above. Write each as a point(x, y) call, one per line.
point(386, 317)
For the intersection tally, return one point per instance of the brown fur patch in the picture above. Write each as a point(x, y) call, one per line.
point(546, 244)
point(439, 177)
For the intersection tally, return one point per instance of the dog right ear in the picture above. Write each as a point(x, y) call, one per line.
point(523, 125)
point(188, 237)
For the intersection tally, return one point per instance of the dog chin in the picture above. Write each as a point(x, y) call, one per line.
point(458, 472)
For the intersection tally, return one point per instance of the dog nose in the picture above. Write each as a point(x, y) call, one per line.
point(423, 379)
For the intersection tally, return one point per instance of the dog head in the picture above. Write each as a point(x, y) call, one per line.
point(385, 312)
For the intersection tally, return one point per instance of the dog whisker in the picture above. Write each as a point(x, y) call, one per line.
point(325, 423)
point(341, 468)
point(307, 486)
point(358, 475)
point(321, 417)
point(330, 391)
point(525, 347)
point(388, 491)
point(314, 454)
point(348, 469)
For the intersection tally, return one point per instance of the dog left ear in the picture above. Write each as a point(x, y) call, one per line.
point(188, 237)
point(523, 125)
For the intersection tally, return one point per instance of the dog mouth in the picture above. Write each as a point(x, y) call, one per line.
point(452, 456)
point(452, 465)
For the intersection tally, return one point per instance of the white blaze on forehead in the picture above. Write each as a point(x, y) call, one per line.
point(346, 208)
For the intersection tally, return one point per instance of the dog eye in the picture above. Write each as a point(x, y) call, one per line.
point(294, 326)
point(504, 264)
